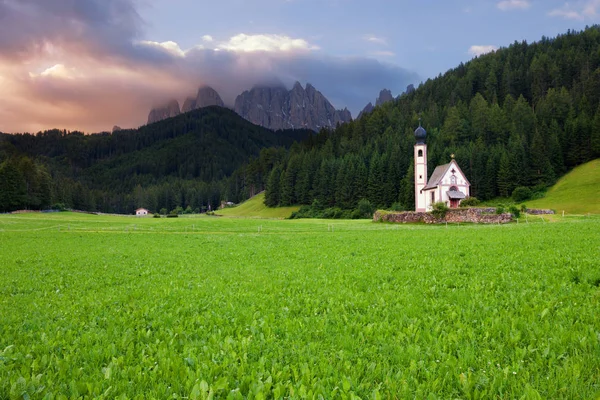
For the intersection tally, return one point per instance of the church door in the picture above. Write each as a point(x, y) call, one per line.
point(454, 203)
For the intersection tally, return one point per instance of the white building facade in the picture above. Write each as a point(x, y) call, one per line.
point(141, 212)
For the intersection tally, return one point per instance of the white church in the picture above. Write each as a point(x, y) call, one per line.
point(448, 184)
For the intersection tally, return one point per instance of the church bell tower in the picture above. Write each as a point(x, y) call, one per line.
point(420, 168)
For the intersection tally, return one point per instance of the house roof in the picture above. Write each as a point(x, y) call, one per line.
point(141, 209)
point(437, 176)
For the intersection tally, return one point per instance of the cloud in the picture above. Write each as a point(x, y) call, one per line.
point(566, 13)
point(375, 39)
point(478, 50)
point(384, 53)
point(86, 65)
point(506, 5)
point(268, 43)
point(582, 10)
point(169, 46)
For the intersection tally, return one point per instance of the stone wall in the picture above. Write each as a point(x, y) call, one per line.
point(536, 211)
point(472, 215)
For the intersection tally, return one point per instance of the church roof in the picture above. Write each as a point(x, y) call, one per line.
point(437, 176)
point(455, 194)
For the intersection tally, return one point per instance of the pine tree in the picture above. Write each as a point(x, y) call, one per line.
point(505, 176)
point(272, 192)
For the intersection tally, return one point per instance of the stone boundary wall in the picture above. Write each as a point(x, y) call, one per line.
point(538, 211)
point(472, 215)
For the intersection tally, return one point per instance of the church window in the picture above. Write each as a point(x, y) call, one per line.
point(420, 176)
point(420, 153)
point(433, 197)
point(453, 180)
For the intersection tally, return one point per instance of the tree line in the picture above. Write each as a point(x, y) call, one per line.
point(521, 116)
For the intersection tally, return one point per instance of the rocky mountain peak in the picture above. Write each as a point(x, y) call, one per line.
point(171, 109)
point(277, 108)
point(384, 96)
point(207, 96)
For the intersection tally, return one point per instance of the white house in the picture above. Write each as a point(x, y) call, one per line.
point(447, 184)
point(140, 212)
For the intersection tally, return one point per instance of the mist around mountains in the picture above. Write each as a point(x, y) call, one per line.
point(272, 107)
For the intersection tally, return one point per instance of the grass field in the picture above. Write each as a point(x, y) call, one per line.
point(208, 307)
point(255, 208)
point(578, 192)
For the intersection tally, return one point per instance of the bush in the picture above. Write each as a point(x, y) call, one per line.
point(515, 211)
point(156, 216)
point(163, 211)
point(500, 210)
point(355, 214)
point(172, 215)
point(59, 207)
point(470, 202)
point(523, 208)
point(397, 206)
point(332, 213)
point(178, 210)
point(439, 209)
point(521, 193)
point(365, 208)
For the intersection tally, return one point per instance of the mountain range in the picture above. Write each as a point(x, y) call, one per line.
point(275, 108)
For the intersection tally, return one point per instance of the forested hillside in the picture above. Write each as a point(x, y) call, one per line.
point(181, 161)
point(521, 116)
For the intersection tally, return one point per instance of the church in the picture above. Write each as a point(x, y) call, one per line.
point(447, 184)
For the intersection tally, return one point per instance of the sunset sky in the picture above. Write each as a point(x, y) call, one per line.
point(92, 64)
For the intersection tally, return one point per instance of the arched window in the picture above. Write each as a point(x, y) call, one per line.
point(453, 179)
point(453, 188)
point(420, 154)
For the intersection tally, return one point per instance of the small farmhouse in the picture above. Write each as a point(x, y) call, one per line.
point(141, 212)
point(447, 184)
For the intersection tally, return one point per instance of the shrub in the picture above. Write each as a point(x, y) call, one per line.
point(163, 211)
point(439, 210)
point(523, 208)
point(397, 206)
point(172, 216)
point(355, 214)
point(515, 211)
point(500, 210)
point(59, 207)
point(332, 213)
point(470, 202)
point(365, 208)
point(156, 216)
point(521, 193)
point(178, 210)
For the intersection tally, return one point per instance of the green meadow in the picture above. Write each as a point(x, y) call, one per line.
point(255, 208)
point(230, 308)
point(578, 192)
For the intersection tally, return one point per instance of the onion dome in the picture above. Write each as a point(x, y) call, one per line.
point(420, 134)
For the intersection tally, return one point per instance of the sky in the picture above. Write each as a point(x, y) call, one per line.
point(88, 65)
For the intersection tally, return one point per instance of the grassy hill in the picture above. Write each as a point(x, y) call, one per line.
point(255, 208)
point(578, 192)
